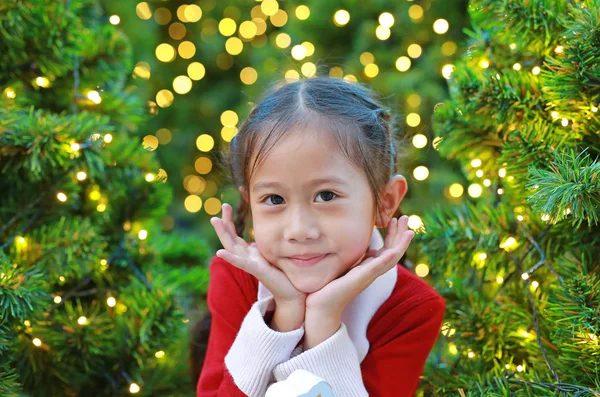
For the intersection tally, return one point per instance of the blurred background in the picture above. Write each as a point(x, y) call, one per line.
point(115, 117)
point(201, 66)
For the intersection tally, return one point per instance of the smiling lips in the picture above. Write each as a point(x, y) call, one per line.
point(306, 260)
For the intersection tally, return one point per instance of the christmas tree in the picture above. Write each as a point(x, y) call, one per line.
point(519, 266)
point(94, 298)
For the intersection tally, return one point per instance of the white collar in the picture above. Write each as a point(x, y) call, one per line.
point(358, 313)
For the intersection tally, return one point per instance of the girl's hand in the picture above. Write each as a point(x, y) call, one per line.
point(333, 297)
point(247, 257)
point(324, 307)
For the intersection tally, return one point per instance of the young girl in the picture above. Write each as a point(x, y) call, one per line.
point(316, 290)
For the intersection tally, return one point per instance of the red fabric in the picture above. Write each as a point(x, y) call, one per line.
point(401, 333)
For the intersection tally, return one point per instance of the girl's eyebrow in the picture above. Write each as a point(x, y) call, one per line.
point(335, 180)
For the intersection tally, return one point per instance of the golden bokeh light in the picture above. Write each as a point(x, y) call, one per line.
point(283, 40)
point(196, 71)
point(248, 75)
point(415, 13)
point(193, 203)
point(143, 10)
point(227, 133)
point(192, 13)
point(475, 190)
point(234, 46)
point(456, 190)
point(421, 173)
point(386, 19)
point(310, 48)
point(371, 70)
point(292, 75)
point(422, 270)
point(165, 52)
point(449, 48)
point(212, 206)
point(337, 72)
point(367, 58)
point(279, 19)
point(164, 98)
point(269, 7)
point(203, 165)
point(414, 50)
point(229, 118)
point(403, 63)
point(413, 100)
point(382, 33)
point(205, 143)
point(341, 17)
point(415, 222)
point(182, 84)
point(413, 119)
point(150, 143)
point(298, 52)
point(227, 27)
point(441, 26)
point(186, 49)
point(419, 141)
point(164, 136)
point(309, 69)
point(142, 70)
point(447, 71)
point(302, 12)
point(162, 16)
point(248, 30)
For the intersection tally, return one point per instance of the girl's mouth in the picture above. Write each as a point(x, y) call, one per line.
point(307, 262)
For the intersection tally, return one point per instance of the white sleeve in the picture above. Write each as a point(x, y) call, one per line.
point(257, 349)
point(334, 360)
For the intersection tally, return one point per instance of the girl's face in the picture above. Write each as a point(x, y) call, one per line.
point(308, 199)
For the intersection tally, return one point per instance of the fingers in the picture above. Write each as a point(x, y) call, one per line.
point(235, 260)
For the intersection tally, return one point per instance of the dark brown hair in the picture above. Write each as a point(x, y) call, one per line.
point(362, 128)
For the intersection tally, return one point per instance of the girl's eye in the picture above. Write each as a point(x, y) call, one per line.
point(277, 200)
point(327, 193)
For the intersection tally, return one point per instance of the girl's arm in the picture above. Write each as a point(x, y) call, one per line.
point(242, 349)
point(392, 368)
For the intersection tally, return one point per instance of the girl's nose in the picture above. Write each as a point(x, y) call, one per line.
point(301, 225)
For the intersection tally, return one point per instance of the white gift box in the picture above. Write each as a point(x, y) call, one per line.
point(300, 383)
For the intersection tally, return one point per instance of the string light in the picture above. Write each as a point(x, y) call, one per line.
point(403, 63)
point(415, 222)
point(159, 354)
point(536, 70)
point(456, 190)
point(111, 302)
point(81, 175)
point(421, 173)
point(61, 197)
point(82, 320)
point(341, 17)
point(475, 190)
point(517, 66)
point(150, 177)
point(422, 270)
point(57, 299)
point(419, 141)
point(475, 163)
point(37, 342)
point(447, 71)
point(134, 388)
point(298, 52)
point(143, 234)
point(302, 12)
point(382, 33)
point(114, 19)
point(525, 276)
point(440, 26)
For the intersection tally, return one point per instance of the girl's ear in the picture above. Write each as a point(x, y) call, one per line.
point(393, 193)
